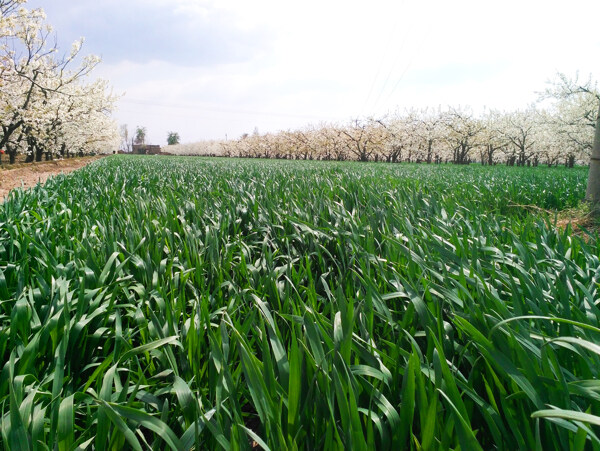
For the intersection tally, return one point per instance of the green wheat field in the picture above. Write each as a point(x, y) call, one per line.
point(186, 303)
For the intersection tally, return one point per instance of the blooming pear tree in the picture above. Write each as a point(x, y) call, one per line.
point(333, 143)
point(291, 142)
point(519, 131)
point(47, 103)
point(462, 134)
point(427, 131)
point(395, 140)
point(363, 138)
point(573, 119)
point(493, 140)
point(585, 93)
point(309, 143)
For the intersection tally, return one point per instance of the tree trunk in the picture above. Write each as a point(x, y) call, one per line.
point(592, 194)
point(429, 150)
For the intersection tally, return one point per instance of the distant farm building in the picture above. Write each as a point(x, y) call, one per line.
point(145, 149)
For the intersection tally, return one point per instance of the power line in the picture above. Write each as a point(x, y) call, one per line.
point(393, 66)
point(383, 58)
point(407, 67)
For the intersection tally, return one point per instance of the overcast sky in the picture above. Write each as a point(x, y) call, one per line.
point(215, 68)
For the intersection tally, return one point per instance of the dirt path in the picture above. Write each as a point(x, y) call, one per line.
point(30, 174)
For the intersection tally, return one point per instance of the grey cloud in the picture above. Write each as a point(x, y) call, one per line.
point(131, 30)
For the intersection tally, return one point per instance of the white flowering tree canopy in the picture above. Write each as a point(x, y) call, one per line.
point(48, 103)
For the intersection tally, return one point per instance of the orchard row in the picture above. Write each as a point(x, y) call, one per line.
point(557, 130)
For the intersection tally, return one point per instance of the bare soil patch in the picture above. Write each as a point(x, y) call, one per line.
point(583, 227)
point(28, 175)
point(582, 222)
